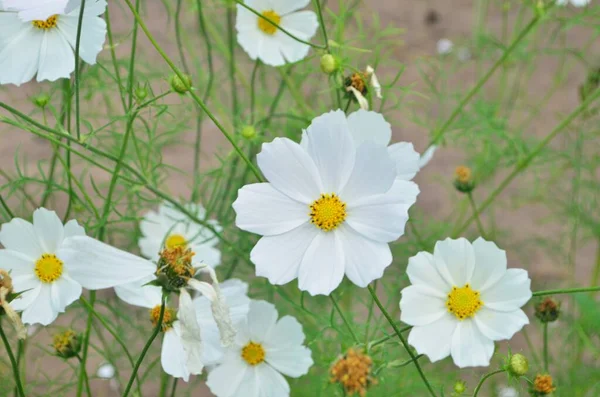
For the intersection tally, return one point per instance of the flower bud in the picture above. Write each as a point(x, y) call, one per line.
point(175, 267)
point(141, 92)
point(67, 344)
point(248, 132)
point(179, 85)
point(41, 100)
point(547, 310)
point(328, 64)
point(463, 179)
point(460, 386)
point(352, 371)
point(542, 385)
point(518, 365)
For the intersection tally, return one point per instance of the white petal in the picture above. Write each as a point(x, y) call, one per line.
point(40, 310)
point(322, 268)
point(190, 333)
point(64, 291)
point(490, 264)
point(373, 173)
point(419, 307)
point(16, 263)
point(367, 126)
point(248, 36)
point(226, 379)
point(206, 254)
point(93, 33)
point(290, 170)
point(30, 10)
point(32, 285)
point(366, 259)
point(96, 265)
point(497, 325)
point(383, 217)
point(511, 292)
point(57, 59)
point(19, 235)
point(455, 260)
point(470, 348)
point(263, 210)
point(262, 317)
point(271, 382)
point(434, 339)
point(283, 7)
point(284, 350)
point(20, 46)
point(139, 294)
point(278, 258)
point(304, 25)
point(406, 159)
point(427, 156)
point(49, 229)
point(172, 355)
point(269, 50)
point(72, 228)
point(422, 271)
point(331, 148)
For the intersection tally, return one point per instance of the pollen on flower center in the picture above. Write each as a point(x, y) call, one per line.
point(47, 24)
point(463, 302)
point(175, 240)
point(328, 212)
point(253, 353)
point(48, 268)
point(267, 26)
point(168, 317)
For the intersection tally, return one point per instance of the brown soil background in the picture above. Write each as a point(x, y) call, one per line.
point(455, 21)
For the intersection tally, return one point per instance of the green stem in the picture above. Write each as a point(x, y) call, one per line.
point(440, 132)
point(5, 206)
point(13, 362)
point(253, 90)
point(157, 329)
point(174, 388)
point(322, 23)
point(194, 96)
point(339, 310)
point(77, 70)
point(596, 273)
point(566, 291)
point(85, 376)
point(484, 378)
point(402, 340)
point(84, 348)
point(476, 215)
point(545, 326)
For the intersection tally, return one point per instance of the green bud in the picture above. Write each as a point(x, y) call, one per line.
point(67, 344)
point(248, 132)
point(328, 64)
point(41, 100)
point(547, 310)
point(463, 179)
point(460, 386)
point(141, 92)
point(518, 365)
point(181, 86)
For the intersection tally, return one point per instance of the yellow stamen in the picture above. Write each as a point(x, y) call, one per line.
point(175, 240)
point(253, 353)
point(463, 302)
point(168, 317)
point(47, 24)
point(48, 268)
point(328, 212)
point(267, 26)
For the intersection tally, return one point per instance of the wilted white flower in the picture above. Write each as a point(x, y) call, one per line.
point(263, 40)
point(46, 47)
point(462, 299)
point(374, 81)
point(265, 348)
point(330, 208)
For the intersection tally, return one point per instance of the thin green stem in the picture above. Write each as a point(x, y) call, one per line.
point(253, 90)
point(566, 291)
point(484, 378)
point(233, 83)
point(545, 327)
point(596, 272)
point(194, 96)
point(174, 388)
point(322, 23)
point(155, 333)
point(402, 340)
point(88, 390)
point(13, 362)
point(85, 346)
point(78, 71)
point(5, 206)
point(252, 10)
point(339, 310)
point(476, 215)
point(442, 130)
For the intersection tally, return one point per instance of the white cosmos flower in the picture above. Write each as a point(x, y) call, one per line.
point(52, 262)
point(169, 228)
point(462, 299)
point(31, 10)
point(576, 3)
point(200, 333)
point(330, 208)
point(46, 47)
point(263, 40)
point(265, 348)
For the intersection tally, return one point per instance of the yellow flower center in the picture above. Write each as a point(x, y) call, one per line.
point(175, 240)
point(168, 317)
point(463, 302)
point(253, 353)
point(353, 372)
point(48, 268)
point(47, 24)
point(328, 212)
point(267, 26)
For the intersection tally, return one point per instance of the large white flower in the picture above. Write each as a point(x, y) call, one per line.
point(170, 228)
point(263, 40)
point(576, 3)
point(47, 262)
point(265, 348)
point(329, 208)
point(31, 10)
point(462, 299)
point(46, 47)
point(205, 340)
